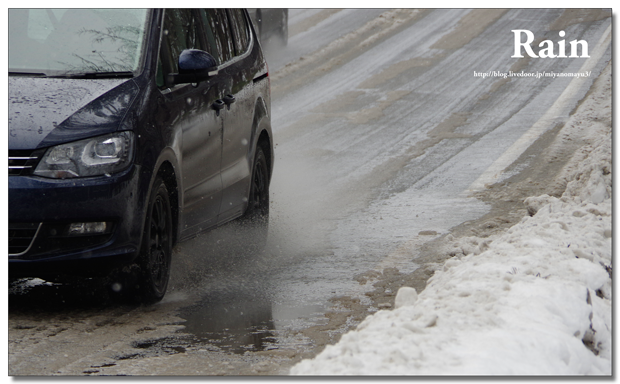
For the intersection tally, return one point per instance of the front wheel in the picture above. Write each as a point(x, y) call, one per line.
point(256, 216)
point(156, 249)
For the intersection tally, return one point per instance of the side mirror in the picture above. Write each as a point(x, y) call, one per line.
point(195, 66)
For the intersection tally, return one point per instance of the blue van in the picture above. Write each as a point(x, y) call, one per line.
point(131, 130)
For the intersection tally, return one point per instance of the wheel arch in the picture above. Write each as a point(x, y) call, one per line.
point(167, 168)
point(262, 134)
point(168, 175)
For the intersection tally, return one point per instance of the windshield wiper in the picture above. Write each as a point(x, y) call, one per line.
point(28, 74)
point(95, 75)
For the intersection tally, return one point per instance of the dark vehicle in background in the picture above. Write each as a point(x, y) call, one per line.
point(131, 130)
point(271, 22)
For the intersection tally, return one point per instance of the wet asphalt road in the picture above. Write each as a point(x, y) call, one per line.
point(380, 129)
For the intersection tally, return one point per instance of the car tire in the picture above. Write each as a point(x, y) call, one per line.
point(256, 216)
point(156, 250)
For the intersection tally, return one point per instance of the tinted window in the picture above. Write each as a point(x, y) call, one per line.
point(181, 31)
point(240, 30)
point(217, 20)
point(211, 41)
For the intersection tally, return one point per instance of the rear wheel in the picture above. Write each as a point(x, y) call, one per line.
point(256, 216)
point(258, 203)
point(156, 250)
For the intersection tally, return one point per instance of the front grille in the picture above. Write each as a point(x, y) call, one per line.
point(21, 237)
point(23, 162)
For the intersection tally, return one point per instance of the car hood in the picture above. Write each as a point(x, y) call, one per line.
point(45, 111)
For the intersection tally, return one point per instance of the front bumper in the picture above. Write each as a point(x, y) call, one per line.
point(41, 211)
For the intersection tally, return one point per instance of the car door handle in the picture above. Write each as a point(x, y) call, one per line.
point(229, 99)
point(218, 105)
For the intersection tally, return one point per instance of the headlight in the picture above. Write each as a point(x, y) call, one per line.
point(96, 156)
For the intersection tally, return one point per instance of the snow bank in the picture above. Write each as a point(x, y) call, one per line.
point(536, 300)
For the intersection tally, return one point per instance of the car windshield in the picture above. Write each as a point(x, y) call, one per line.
point(76, 41)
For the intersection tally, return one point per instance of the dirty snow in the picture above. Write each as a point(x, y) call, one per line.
point(534, 300)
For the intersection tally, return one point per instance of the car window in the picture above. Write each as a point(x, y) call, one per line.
point(213, 48)
point(217, 20)
point(240, 30)
point(74, 41)
point(42, 22)
point(181, 31)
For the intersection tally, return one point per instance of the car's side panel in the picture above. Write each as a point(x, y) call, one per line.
point(237, 150)
point(187, 109)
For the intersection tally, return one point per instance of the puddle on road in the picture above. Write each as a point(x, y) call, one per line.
point(240, 307)
point(231, 324)
point(236, 323)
